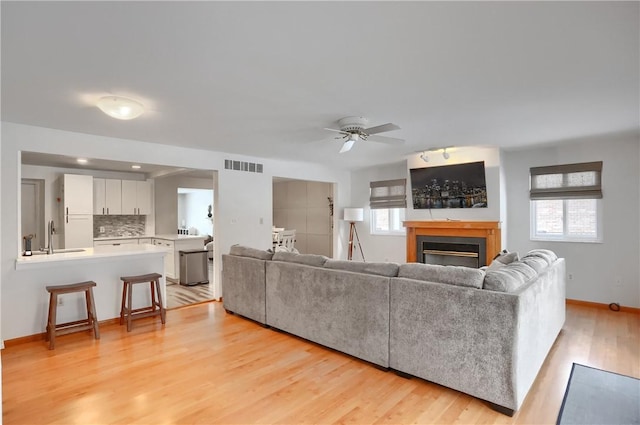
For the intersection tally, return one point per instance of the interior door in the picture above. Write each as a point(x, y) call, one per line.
point(32, 209)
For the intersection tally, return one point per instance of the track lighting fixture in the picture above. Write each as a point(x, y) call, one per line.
point(445, 154)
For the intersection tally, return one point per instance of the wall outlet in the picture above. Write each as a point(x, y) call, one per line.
point(60, 301)
point(570, 276)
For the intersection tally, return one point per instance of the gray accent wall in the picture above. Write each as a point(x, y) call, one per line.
point(598, 272)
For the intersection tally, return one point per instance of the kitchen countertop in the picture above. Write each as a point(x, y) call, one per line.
point(86, 255)
point(176, 237)
point(171, 237)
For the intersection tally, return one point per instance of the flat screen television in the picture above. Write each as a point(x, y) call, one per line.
point(449, 186)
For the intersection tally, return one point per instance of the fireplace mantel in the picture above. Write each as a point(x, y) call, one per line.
point(489, 230)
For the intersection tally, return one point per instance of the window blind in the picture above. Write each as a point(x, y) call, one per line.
point(388, 194)
point(568, 181)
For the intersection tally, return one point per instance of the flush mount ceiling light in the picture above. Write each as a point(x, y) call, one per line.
point(120, 107)
point(81, 160)
point(136, 167)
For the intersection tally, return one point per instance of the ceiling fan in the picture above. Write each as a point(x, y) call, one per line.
point(353, 129)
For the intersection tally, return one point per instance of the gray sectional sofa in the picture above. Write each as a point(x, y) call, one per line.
point(485, 332)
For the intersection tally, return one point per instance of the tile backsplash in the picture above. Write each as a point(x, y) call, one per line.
point(118, 225)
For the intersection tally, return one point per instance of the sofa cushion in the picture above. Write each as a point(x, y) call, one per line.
point(509, 278)
point(536, 263)
point(548, 255)
point(307, 259)
point(380, 269)
point(452, 275)
point(245, 251)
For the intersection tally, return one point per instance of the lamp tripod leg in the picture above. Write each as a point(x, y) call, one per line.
point(357, 239)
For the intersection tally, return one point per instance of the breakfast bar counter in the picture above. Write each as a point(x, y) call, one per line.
point(102, 264)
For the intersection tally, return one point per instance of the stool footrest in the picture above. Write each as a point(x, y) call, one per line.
point(72, 329)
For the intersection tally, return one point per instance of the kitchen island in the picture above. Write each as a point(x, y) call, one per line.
point(102, 264)
point(173, 244)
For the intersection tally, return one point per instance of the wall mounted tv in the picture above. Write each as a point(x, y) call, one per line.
point(449, 186)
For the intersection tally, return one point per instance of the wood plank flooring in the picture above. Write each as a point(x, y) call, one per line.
point(207, 367)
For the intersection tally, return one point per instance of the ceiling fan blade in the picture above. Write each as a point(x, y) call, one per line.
point(347, 146)
point(337, 131)
point(381, 128)
point(385, 139)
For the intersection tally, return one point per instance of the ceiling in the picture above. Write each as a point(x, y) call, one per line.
point(265, 78)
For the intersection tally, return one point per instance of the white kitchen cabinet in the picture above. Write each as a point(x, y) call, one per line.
point(107, 196)
point(136, 197)
point(116, 242)
point(169, 260)
point(77, 194)
point(173, 245)
point(77, 231)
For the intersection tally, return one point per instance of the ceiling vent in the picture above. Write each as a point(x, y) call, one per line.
point(251, 167)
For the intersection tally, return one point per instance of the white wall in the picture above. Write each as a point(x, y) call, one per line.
point(196, 208)
point(596, 267)
point(243, 199)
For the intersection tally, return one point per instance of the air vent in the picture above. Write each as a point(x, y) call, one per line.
point(251, 167)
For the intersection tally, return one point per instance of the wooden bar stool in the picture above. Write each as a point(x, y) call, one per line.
point(91, 322)
point(155, 309)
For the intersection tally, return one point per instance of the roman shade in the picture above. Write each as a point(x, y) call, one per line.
point(388, 194)
point(568, 181)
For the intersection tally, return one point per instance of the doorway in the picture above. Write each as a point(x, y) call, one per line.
point(32, 212)
point(307, 208)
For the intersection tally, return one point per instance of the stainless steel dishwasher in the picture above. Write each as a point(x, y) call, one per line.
point(193, 267)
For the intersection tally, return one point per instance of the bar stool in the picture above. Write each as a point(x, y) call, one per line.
point(91, 322)
point(126, 311)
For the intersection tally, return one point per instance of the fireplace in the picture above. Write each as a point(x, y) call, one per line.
point(460, 239)
point(451, 251)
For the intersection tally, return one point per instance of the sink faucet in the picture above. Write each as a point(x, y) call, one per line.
point(50, 231)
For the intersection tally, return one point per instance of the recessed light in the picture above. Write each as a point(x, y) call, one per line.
point(120, 107)
point(82, 161)
point(136, 167)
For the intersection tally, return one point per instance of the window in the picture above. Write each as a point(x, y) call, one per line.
point(387, 221)
point(570, 220)
point(565, 202)
point(388, 200)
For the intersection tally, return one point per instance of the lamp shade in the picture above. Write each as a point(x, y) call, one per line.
point(354, 214)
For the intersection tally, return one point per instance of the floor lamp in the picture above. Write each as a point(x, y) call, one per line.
point(354, 215)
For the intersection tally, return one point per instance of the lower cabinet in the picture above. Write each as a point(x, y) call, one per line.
point(170, 259)
point(173, 247)
point(116, 242)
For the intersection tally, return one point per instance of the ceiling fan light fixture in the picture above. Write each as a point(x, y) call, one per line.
point(119, 107)
point(348, 144)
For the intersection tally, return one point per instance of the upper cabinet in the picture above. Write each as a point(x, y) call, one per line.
point(136, 197)
point(107, 196)
point(77, 194)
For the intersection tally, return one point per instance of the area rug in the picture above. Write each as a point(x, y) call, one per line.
point(595, 396)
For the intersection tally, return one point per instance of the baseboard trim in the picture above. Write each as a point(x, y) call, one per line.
point(624, 309)
point(41, 336)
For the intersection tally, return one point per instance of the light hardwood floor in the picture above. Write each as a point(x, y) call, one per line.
point(208, 367)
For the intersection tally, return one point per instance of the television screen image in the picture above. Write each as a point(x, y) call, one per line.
point(449, 186)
